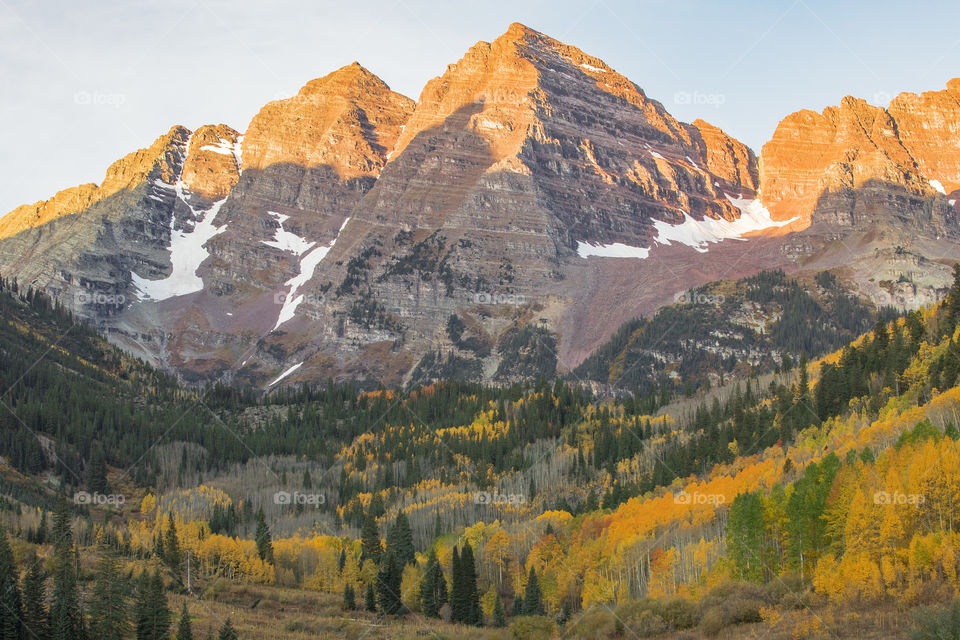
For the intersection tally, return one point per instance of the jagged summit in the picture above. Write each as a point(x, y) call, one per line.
point(344, 229)
point(350, 80)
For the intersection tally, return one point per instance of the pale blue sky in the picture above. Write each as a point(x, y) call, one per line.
point(87, 82)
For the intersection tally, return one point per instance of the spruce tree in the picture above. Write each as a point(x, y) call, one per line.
point(457, 598)
point(227, 632)
point(532, 596)
point(11, 606)
point(66, 618)
point(400, 540)
point(388, 585)
point(370, 598)
point(472, 612)
point(518, 606)
point(264, 543)
point(152, 612)
point(370, 539)
point(349, 598)
point(109, 615)
point(499, 613)
point(97, 475)
point(171, 551)
point(184, 631)
point(35, 601)
point(433, 587)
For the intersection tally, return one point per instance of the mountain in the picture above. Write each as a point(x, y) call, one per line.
point(504, 225)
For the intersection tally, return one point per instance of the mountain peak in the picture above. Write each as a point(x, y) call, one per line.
point(517, 30)
point(349, 79)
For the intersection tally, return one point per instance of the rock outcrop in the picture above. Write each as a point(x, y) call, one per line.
point(501, 226)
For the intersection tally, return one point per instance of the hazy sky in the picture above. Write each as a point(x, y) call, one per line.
point(87, 82)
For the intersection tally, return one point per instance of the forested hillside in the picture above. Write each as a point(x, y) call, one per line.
point(790, 501)
point(731, 328)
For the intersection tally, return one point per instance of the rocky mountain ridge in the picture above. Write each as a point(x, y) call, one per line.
point(504, 224)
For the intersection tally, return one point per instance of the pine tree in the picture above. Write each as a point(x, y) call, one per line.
point(152, 612)
point(11, 606)
point(457, 598)
point(518, 606)
point(532, 596)
point(35, 601)
point(370, 598)
point(389, 579)
point(264, 543)
point(97, 475)
point(227, 632)
point(370, 539)
point(184, 631)
point(472, 611)
point(66, 618)
point(109, 616)
point(400, 540)
point(499, 613)
point(349, 598)
point(171, 551)
point(433, 587)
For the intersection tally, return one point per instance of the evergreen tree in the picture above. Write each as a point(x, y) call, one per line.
point(518, 606)
point(370, 539)
point(370, 598)
point(171, 551)
point(66, 618)
point(349, 598)
point(474, 615)
point(342, 561)
point(433, 587)
point(532, 596)
point(97, 475)
point(227, 632)
point(457, 599)
point(388, 585)
point(499, 613)
point(152, 612)
point(184, 631)
point(400, 541)
point(264, 543)
point(35, 601)
point(464, 594)
point(11, 606)
point(109, 615)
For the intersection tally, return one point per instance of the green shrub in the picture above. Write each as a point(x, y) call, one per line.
point(596, 624)
point(937, 624)
point(533, 628)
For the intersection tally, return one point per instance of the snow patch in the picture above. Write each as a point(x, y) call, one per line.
point(952, 202)
point(616, 250)
point(308, 264)
point(285, 373)
point(287, 240)
point(187, 250)
point(939, 187)
point(696, 234)
point(690, 160)
point(590, 67)
point(223, 147)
